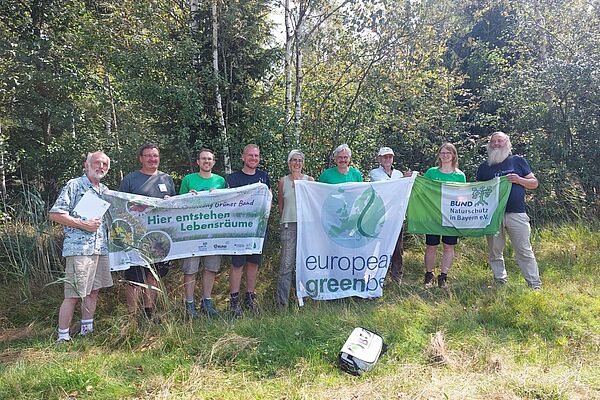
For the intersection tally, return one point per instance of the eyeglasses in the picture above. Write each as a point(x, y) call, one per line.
point(445, 153)
point(151, 155)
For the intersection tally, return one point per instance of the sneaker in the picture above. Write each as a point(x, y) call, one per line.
point(500, 282)
point(250, 302)
point(441, 280)
point(86, 330)
point(235, 307)
point(428, 279)
point(190, 308)
point(208, 307)
point(63, 340)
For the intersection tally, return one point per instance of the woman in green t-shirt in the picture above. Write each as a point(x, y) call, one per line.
point(446, 171)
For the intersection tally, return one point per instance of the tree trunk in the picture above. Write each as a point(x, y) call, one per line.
point(2, 167)
point(220, 117)
point(46, 127)
point(288, 70)
point(194, 16)
point(112, 120)
point(298, 98)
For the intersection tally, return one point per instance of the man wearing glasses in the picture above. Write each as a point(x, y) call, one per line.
point(150, 182)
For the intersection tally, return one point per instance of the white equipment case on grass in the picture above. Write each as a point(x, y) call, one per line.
point(361, 351)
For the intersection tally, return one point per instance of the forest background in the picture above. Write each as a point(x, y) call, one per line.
point(83, 75)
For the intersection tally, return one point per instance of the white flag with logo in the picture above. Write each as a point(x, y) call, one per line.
point(346, 236)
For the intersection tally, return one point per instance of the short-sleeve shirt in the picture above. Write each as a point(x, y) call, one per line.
point(79, 242)
point(240, 178)
point(379, 174)
point(198, 183)
point(157, 185)
point(333, 176)
point(437, 175)
point(511, 165)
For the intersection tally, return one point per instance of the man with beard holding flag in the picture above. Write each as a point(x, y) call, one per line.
point(501, 162)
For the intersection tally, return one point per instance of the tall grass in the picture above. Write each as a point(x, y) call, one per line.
point(472, 341)
point(30, 252)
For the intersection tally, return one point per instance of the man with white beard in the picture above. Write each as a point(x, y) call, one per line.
point(85, 247)
point(501, 162)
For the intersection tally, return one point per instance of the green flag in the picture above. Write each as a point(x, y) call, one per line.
point(457, 209)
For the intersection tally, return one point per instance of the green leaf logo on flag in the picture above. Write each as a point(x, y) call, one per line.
point(353, 220)
point(482, 193)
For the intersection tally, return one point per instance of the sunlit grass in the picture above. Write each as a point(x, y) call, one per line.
point(499, 342)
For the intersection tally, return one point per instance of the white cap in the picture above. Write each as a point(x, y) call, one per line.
point(384, 151)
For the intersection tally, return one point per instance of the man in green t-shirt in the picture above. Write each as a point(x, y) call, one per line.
point(197, 182)
point(342, 172)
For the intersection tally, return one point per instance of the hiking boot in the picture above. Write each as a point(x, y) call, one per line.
point(250, 302)
point(235, 307)
point(190, 308)
point(397, 278)
point(441, 280)
point(428, 279)
point(208, 307)
point(151, 317)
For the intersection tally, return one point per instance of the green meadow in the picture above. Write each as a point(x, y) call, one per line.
point(474, 340)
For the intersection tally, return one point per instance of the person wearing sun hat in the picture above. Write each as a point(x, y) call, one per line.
point(386, 171)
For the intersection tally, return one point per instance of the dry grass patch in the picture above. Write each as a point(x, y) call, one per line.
point(437, 351)
point(227, 348)
point(8, 335)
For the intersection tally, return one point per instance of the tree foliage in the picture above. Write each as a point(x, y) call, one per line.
point(78, 75)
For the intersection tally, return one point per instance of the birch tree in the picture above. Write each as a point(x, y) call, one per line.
point(306, 16)
point(219, 106)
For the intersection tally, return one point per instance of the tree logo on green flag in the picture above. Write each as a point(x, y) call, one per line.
point(352, 219)
point(481, 193)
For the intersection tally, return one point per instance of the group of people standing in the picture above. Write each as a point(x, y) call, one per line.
point(85, 245)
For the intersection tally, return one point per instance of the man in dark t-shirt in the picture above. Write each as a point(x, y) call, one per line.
point(501, 162)
point(248, 175)
point(150, 182)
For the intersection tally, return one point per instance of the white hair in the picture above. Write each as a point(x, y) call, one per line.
point(294, 153)
point(496, 156)
point(500, 133)
point(88, 159)
point(341, 148)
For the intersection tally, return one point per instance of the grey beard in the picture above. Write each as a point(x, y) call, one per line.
point(496, 156)
point(96, 175)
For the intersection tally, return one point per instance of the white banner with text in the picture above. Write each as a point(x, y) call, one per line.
point(225, 221)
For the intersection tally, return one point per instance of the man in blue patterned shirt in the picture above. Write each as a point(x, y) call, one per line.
point(85, 247)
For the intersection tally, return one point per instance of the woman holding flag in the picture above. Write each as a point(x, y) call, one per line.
point(445, 171)
point(287, 210)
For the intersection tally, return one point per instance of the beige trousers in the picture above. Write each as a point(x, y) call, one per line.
point(518, 229)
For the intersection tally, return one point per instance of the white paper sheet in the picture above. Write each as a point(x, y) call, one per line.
point(91, 206)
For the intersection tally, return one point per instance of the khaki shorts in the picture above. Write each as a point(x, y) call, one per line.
point(192, 264)
point(86, 273)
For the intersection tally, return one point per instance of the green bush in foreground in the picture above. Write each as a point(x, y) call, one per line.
point(473, 341)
